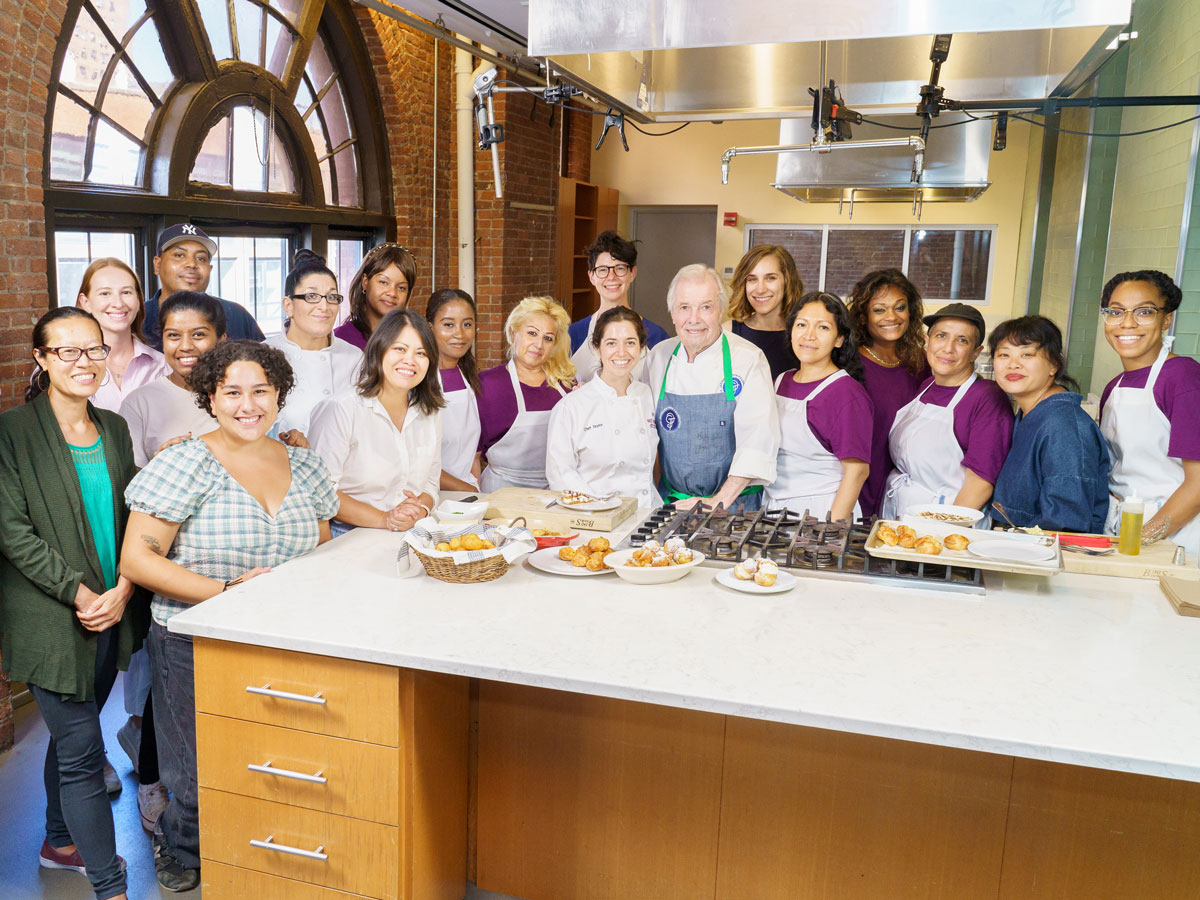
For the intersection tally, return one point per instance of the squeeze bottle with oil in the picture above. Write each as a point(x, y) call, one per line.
point(1130, 541)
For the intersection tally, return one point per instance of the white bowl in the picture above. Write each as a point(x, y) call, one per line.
point(966, 517)
point(649, 575)
point(452, 512)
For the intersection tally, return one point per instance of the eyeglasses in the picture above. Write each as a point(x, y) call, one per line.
point(314, 298)
point(1142, 314)
point(70, 354)
point(620, 270)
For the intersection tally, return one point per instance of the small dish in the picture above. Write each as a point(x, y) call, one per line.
point(1011, 551)
point(648, 574)
point(554, 540)
point(458, 513)
point(783, 582)
point(960, 516)
point(548, 560)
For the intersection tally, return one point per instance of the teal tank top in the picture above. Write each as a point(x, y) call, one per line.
point(96, 487)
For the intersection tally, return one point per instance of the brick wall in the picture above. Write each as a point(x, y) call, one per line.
point(579, 146)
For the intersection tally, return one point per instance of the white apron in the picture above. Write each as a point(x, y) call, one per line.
point(808, 476)
point(1138, 434)
point(927, 456)
point(519, 458)
point(587, 360)
point(460, 431)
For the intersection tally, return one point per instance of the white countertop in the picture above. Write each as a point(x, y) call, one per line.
point(1089, 670)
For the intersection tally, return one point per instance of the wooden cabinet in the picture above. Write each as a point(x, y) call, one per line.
point(584, 211)
point(324, 778)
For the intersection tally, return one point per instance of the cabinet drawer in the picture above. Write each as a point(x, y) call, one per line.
point(337, 697)
point(359, 780)
point(221, 882)
point(360, 857)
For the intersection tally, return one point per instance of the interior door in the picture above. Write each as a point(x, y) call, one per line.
point(670, 237)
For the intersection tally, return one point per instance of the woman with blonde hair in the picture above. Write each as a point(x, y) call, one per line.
point(765, 287)
point(515, 399)
point(111, 292)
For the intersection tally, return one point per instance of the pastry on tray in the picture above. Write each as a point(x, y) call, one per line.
point(575, 498)
point(955, 541)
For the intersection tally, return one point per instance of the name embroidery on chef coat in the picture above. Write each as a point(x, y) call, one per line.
point(669, 419)
point(737, 385)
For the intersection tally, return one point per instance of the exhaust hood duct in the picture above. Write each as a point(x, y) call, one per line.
point(955, 165)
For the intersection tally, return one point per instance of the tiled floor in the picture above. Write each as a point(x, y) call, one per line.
point(22, 820)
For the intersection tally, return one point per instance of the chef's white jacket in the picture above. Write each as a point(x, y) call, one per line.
point(601, 443)
point(756, 418)
point(319, 375)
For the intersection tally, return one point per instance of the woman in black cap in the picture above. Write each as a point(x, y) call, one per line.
point(950, 442)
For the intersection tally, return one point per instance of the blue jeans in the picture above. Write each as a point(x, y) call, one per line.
point(173, 686)
point(77, 806)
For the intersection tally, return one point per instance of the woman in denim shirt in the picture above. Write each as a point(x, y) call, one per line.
point(1056, 474)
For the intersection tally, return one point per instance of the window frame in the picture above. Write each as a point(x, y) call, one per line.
point(909, 230)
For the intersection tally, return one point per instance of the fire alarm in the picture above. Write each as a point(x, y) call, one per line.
point(731, 219)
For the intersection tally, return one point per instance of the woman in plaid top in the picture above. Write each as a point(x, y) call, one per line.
point(206, 515)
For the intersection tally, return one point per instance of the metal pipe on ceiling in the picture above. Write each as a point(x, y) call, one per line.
point(913, 141)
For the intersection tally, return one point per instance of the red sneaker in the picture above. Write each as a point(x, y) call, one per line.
point(51, 858)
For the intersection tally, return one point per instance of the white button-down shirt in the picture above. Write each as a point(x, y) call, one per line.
point(755, 420)
point(369, 458)
point(600, 443)
point(320, 374)
point(159, 411)
point(146, 365)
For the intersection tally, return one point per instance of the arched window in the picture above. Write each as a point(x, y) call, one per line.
point(256, 119)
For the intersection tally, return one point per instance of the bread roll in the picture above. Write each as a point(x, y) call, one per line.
point(596, 544)
point(956, 541)
point(595, 562)
point(566, 553)
point(928, 545)
point(887, 535)
point(580, 559)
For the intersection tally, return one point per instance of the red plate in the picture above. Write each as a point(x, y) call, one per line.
point(550, 541)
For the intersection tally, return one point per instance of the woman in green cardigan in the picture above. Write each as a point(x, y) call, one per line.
point(67, 623)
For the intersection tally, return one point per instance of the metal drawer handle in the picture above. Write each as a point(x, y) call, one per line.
point(267, 691)
point(267, 769)
point(269, 844)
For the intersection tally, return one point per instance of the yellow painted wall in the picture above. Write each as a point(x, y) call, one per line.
point(685, 168)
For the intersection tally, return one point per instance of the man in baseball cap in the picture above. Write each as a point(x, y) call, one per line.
point(183, 262)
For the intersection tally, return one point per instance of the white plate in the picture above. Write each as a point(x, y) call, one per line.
point(648, 574)
point(547, 560)
point(784, 582)
point(974, 515)
point(593, 506)
point(455, 512)
point(1010, 551)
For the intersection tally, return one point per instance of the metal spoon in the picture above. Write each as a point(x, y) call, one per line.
point(1000, 509)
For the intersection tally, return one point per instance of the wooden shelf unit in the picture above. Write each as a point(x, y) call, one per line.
point(584, 211)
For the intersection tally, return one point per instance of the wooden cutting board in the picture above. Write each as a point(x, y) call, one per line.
point(509, 502)
point(1154, 561)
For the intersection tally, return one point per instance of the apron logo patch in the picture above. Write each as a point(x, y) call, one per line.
point(737, 386)
point(669, 419)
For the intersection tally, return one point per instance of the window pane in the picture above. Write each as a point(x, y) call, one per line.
point(805, 247)
point(853, 252)
point(279, 46)
point(68, 140)
point(318, 67)
point(249, 31)
point(215, 15)
point(126, 103)
point(146, 53)
point(75, 250)
point(327, 179)
point(121, 16)
point(344, 259)
point(289, 8)
point(333, 108)
point(346, 163)
point(304, 96)
point(116, 159)
point(950, 265)
point(249, 139)
point(87, 57)
point(250, 272)
point(212, 162)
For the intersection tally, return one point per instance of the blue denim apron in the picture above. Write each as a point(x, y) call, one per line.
point(697, 441)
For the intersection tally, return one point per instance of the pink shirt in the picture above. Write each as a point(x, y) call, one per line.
point(146, 365)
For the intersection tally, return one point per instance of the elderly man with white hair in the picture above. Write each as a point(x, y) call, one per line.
point(717, 423)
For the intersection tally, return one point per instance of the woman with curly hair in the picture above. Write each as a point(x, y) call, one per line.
point(385, 281)
point(765, 286)
point(515, 399)
point(825, 415)
point(206, 515)
point(885, 311)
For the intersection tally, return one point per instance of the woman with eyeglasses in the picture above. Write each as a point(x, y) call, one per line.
point(111, 292)
point(612, 268)
point(385, 281)
point(1148, 412)
point(323, 365)
point(765, 287)
point(69, 618)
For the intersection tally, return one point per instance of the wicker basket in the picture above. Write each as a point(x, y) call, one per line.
point(468, 573)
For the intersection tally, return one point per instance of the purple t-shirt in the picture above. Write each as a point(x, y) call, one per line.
point(452, 380)
point(349, 333)
point(890, 390)
point(1177, 393)
point(983, 424)
point(840, 417)
point(498, 404)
